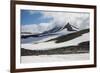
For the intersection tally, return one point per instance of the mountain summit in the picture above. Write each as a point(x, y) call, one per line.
point(70, 27)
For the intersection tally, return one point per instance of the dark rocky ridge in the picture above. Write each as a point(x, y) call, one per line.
point(80, 48)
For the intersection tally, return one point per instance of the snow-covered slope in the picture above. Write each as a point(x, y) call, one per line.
point(52, 44)
point(26, 37)
point(45, 38)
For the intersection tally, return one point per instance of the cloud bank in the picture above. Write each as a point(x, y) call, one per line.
point(80, 20)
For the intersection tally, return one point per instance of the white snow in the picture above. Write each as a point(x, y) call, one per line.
point(37, 39)
point(46, 37)
point(52, 44)
point(54, 58)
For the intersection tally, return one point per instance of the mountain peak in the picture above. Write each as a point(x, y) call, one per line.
point(70, 27)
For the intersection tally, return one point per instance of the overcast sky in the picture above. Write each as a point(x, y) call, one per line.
point(38, 21)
